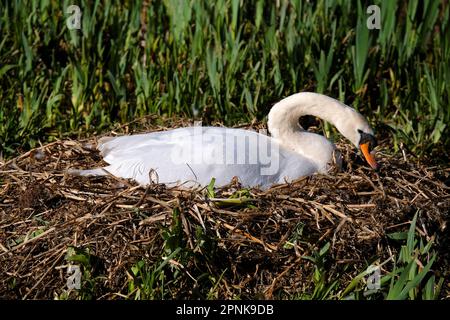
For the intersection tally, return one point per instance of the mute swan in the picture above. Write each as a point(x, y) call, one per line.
point(194, 155)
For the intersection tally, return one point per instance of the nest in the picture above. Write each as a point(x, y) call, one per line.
point(251, 243)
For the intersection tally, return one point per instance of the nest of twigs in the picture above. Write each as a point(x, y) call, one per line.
point(254, 247)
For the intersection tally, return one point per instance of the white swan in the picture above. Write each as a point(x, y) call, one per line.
point(195, 155)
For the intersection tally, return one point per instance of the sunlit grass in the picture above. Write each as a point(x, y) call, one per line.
point(227, 60)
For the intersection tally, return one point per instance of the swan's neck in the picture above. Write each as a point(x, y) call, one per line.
point(283, 117)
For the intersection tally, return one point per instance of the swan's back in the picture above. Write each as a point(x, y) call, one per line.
point(193, 156)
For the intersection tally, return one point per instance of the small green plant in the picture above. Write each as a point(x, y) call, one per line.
point(160, 279)
point(84, 261)
point(411, 276)
point(149, 282)
point(153, 281)
point(323, 288)
point(241, 197)
point(27, 237)
point(210, 189)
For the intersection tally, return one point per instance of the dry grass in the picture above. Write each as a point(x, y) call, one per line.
point(43, 211)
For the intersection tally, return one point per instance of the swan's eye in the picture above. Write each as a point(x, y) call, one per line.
point(367, 138)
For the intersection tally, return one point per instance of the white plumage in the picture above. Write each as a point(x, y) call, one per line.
point(193, 156)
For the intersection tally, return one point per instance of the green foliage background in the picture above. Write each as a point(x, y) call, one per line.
point(226, 60)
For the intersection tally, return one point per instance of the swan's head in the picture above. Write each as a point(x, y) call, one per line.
point(367, 144)
point(355, 128)
point(284, 115)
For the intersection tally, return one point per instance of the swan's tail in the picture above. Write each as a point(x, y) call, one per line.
point(90, 172)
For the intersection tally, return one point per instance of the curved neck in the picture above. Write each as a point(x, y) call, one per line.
point(284, 115)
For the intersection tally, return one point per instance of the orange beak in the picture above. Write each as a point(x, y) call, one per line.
point(368, 155)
